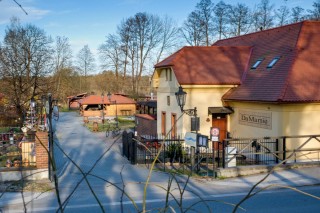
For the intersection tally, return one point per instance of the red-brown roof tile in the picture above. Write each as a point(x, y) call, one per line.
point(147, 116)
point(294, 78)
point(96, 99)
point(209, 65)
point(77, 96)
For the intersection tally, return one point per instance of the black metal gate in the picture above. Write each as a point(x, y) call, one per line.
point(241, 152)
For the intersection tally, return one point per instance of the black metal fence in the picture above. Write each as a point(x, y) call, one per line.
point(268, 150)
point(168, 152)
point(241, 152)
point(16, 149)
point(228, 153)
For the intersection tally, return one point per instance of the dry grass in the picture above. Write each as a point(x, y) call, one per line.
point(28, 186)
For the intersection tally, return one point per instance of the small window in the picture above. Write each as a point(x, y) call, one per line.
point(273, 62)
point(168, 75)
point(163, 123)
point(168, 100)
point(257, 63)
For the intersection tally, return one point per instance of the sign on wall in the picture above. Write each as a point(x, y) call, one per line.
point(256, 119)
point(191, 139)
point(214, 133)
point(202, 140)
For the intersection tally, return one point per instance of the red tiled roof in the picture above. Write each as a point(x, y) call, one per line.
point(294, 78)
point(147, 116)
point(77, 96)
point(209, 65)
point(96, 99)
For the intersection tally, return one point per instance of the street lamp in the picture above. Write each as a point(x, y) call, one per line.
point(43, 102)
point(102, 106)
point(32, 108)
point(33, 102)
point(115, 101)
point(181, 99)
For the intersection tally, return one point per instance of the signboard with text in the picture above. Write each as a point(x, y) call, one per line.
point(256, 119)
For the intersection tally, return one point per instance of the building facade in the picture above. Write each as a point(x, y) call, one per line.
point(263, 84)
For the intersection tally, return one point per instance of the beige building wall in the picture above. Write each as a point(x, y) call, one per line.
point(301, 119)
point(255, 120)
point(121, 109)
point(285, 120)
point(201, 97)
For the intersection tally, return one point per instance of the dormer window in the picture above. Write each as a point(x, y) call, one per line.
point(273, 62)
point(257, 63)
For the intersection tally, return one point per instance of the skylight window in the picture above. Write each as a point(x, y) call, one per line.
point(257, 63)
point(273, 62)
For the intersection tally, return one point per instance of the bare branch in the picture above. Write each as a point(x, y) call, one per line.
point(21, 7)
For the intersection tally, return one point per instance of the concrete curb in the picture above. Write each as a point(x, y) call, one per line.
point(11, 198)
point(34, 174)
point(258, 169)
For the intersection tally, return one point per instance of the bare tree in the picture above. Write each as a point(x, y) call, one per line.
point(282, 14)
point(124, 31)
point(85, 64)
point(110, 53)
point(144, 35)
point(85, 60)
point(239, 19)
point(169, 37)
point(263, 15)
point(63, 53)
point(62, 58)
point(314, 14)
point(297, 14)
point(205, 8)
point(221, 11)
point(140, 41)
point(192, 29)
point(26, 59)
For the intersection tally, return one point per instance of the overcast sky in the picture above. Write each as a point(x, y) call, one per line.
point(89, 21)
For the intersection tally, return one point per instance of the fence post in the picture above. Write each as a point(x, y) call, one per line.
point(129, 147)
point(213, 159)
point(277, 150)
point(125, 144)
point(134, 152)
point(163, 153)
point(224, 154)
point(284, 149)
point(192, 158)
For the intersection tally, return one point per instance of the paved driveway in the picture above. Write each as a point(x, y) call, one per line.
point(109, 174)
point(101, 161)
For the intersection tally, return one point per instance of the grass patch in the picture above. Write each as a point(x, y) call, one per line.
point(28, 186)
point(221, 178)
point(7, 129)
point(102, 127)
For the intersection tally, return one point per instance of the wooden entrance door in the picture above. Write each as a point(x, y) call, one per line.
point(220, 121)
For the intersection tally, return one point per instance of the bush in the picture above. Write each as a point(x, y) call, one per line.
point(174, 152)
